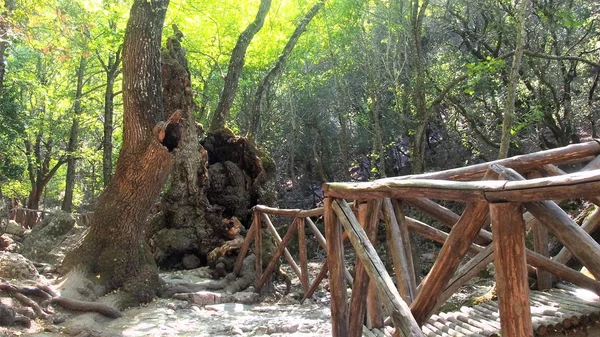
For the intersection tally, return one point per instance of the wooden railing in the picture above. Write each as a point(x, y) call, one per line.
point(501, 195)
point(301, 219)
point(492, 192)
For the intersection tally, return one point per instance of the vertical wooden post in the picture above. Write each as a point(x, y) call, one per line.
point(540, 245)
point(508, 230)
point(404, 233)
point(258, 245)
point(335, 263)
point(368, 217)
point(400, 253)
point(303, 255)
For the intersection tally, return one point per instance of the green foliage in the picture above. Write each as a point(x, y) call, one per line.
point(356, 58)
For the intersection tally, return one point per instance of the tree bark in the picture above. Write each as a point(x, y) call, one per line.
point(422, 114)
point(511, 90)
point(39, 157)
point(236, 64)
point(67, 203)
point(112, 69)
point(265, 85)
point(114, 250)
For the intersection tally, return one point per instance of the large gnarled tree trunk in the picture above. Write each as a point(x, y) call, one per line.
point(114, 250)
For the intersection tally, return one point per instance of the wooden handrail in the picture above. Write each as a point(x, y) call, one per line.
point(573, 185)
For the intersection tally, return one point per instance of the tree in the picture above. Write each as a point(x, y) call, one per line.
point(67, 203)
point(236, 64)
point(265, 85)
point(513, 78)
point(114, 250)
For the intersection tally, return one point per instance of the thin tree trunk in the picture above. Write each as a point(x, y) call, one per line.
point(114, 251)
point(111, 68)
point(513, 78)
point(236, 64)
point(422, 114)
point(67, 203)
point(265, 85)
point(9, 6)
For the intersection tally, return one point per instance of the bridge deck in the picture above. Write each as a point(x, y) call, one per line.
point(565, 310)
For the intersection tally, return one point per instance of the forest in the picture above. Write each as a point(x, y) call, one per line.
point(365, 89)
point(157, 125)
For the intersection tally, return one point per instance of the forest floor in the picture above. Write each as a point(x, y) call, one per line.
point(274, 315)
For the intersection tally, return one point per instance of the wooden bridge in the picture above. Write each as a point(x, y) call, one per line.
point(500, 205)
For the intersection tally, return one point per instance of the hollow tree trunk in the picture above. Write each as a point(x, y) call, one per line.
point(114, 251)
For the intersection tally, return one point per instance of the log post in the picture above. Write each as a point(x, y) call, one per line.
point(405, 324)
point(508, 230)
point(540, 245)
point(368, 215)
point(244, 249)
point(405, 235)
point(303, 255)
point(258, 247)
point(577, 240)
point(399, 251)
point(335, 264)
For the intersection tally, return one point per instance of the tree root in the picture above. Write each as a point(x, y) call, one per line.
point(37, 299)
point(86, 306)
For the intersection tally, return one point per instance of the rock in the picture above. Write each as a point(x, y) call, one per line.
point(7, 315)
point(14, 228)
point(190, 261)
point(49, 240)
point(11, 243)
point(205, 298)
point(16, 266)
point(236, 331)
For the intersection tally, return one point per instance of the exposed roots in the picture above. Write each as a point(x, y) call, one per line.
point(37, 301)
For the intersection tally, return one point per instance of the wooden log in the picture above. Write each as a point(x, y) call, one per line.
point(273, 263)
point(335, 262)
point(563, 271)
point(449, 258)
point(574, 185)
point(484, 326)
point(313, 287)
point(374, 310)
point(511, 269)
point(258, 249)
point(540, 244)
point(580, 243)
point(445, 216)
point(533, 258)
point(396, 307)
point(278, 241)
point(474, 314)
point(399, 252)
point(474, 331)
point(368, 215)
point(321, 239)
point(302, 255)
point(405, 235)
point(244, 248)
point(293, 213)
point(589, 225)
point(466, 273)
point(522, 163)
